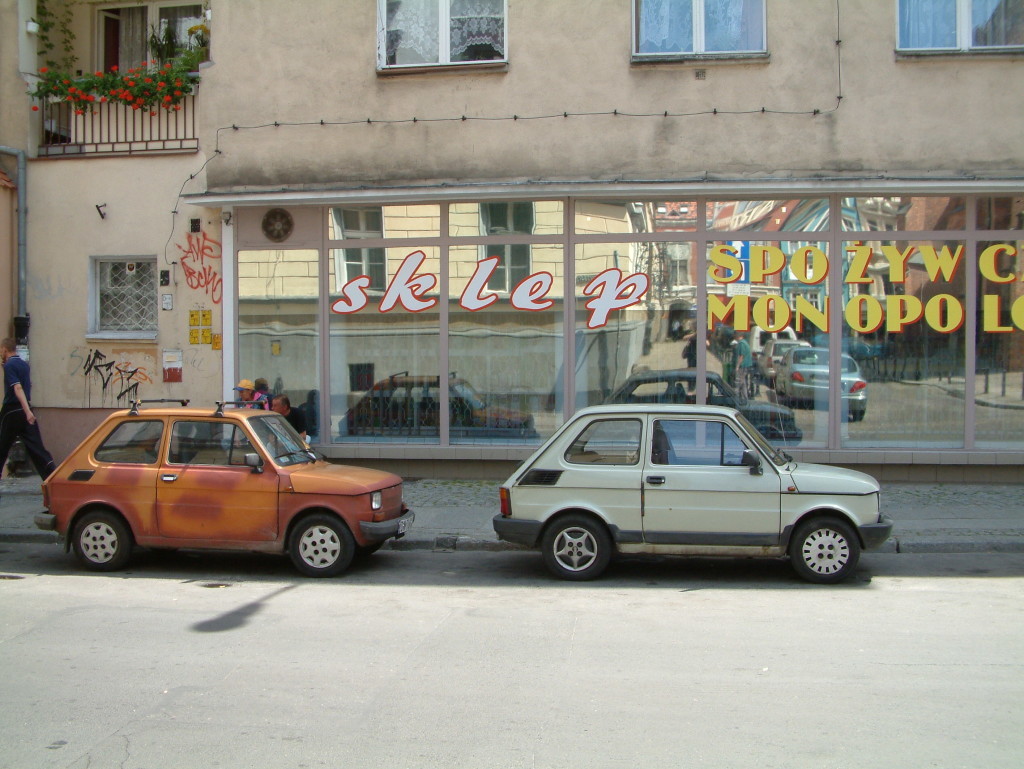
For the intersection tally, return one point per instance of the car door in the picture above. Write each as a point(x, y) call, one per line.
point(205, 490)
point(697, 491)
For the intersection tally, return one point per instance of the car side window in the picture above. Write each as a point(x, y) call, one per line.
point(208, 443)
point(607, 442)
point(132, 442)
point(695, 442)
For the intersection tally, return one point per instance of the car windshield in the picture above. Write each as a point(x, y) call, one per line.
point(467, 393)
point(280, 440)
point(778, 456)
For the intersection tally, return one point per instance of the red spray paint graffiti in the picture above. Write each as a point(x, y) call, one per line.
point(200, 259)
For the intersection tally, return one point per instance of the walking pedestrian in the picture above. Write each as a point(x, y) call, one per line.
point(16, 417)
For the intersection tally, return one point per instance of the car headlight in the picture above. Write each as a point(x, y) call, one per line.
point(376, 499)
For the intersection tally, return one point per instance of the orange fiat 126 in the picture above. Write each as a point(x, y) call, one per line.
point(216, 478)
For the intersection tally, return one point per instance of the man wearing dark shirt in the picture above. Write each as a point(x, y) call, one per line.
point(283, 406)
point(16, 417)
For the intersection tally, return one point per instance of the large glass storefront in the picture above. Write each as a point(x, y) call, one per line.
point(832, 322)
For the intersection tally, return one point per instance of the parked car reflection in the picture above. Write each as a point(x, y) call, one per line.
point(802, 380)
point(773, 421)
point(409, 404)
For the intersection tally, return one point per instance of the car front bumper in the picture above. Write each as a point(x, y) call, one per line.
point(874, 534)
point(517, 530)
point(378, 531)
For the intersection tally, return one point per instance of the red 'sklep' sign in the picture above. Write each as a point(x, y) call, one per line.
point(608, 291)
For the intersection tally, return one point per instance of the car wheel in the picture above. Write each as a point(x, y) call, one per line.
point(321, 546)
point(102, 541)
point(824, 550)
point(857, 415)
point(576, 547)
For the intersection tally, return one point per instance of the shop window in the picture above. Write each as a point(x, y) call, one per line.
point(667, 28)
point(124, 299)
point(428, 32)
point(125, 33)
point(960, 25)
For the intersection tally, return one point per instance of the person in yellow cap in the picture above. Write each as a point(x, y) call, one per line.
point(247, 392)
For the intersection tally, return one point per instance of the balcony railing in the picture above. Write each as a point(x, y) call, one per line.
point(116, 129)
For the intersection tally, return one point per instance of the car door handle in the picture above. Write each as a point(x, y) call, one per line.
point(655, 480)
point(168, 478)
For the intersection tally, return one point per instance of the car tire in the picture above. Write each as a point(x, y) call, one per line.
point(102, 541)
point(857, 415)
point(576, 547)
point(321, 546)
point(824, 550)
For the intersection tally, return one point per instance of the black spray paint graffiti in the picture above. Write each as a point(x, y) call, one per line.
point(124, 376)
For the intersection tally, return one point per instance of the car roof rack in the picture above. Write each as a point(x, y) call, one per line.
point(237, 404)
point(135, 404)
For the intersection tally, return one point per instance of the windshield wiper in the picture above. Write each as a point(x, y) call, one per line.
point(304, 453)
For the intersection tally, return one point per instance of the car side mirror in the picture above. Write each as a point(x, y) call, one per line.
point(753, 461)
point(254, 461)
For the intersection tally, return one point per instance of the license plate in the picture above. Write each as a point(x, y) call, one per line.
point(402, 526)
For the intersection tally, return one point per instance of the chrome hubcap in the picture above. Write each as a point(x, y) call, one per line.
point(319, 546)
point(826, 551)
point(575, 549)
point(98, 542)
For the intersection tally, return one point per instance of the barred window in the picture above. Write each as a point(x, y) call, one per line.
point(126, 294)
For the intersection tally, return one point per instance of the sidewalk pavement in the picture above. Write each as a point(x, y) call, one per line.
point(456, 515)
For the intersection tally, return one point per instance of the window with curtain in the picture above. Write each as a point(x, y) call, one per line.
point(678, 27)
point(424, 32)
point(960, 25)
point(125, 32)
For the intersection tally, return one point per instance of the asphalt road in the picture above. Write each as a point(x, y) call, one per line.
point(479, 659)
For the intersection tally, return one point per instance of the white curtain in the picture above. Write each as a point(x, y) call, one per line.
point(477, 30)
point(927, 24)
point(411, 29)
point(733, 25)
point(665, 26)
point(132, 38)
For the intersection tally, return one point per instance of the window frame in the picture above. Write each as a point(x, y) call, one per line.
point(443, 43)
point(699, 51)
point(963, 33)
point(96, 300)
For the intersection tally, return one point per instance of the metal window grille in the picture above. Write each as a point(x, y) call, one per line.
point(127, 296)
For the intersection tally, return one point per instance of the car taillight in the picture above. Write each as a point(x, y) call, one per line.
point(506, 502)
point(797, 376)
point(859, 385)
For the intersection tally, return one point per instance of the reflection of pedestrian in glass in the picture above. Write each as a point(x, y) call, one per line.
point(16, 417)
point(690, 349)
point(744, 363)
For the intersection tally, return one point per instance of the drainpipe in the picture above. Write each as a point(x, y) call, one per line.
point(21, 320)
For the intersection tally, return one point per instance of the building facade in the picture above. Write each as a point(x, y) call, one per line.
point(441, 226)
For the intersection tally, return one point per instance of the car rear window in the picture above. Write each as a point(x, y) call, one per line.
point(133, 442)
point(607, 442)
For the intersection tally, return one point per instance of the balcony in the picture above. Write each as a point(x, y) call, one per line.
point(116, 129)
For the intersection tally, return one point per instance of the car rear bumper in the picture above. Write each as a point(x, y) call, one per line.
point(45, 521)
point(874, 534)
point(378, 531)
point(517, 530)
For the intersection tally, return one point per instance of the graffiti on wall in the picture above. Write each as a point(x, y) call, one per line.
point(118, 378)
point(201, 259)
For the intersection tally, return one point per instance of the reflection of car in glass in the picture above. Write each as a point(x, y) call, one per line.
point(802, 380)
point(234, 479)
point(772, 354)
point(680, 386)
point(405, 404)
point(684, 480)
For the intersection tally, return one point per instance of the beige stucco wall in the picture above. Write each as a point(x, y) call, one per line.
point(318, 63)
point(66, 230)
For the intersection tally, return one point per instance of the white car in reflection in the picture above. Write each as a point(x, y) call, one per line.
point(802, 378)
point(684, 480)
